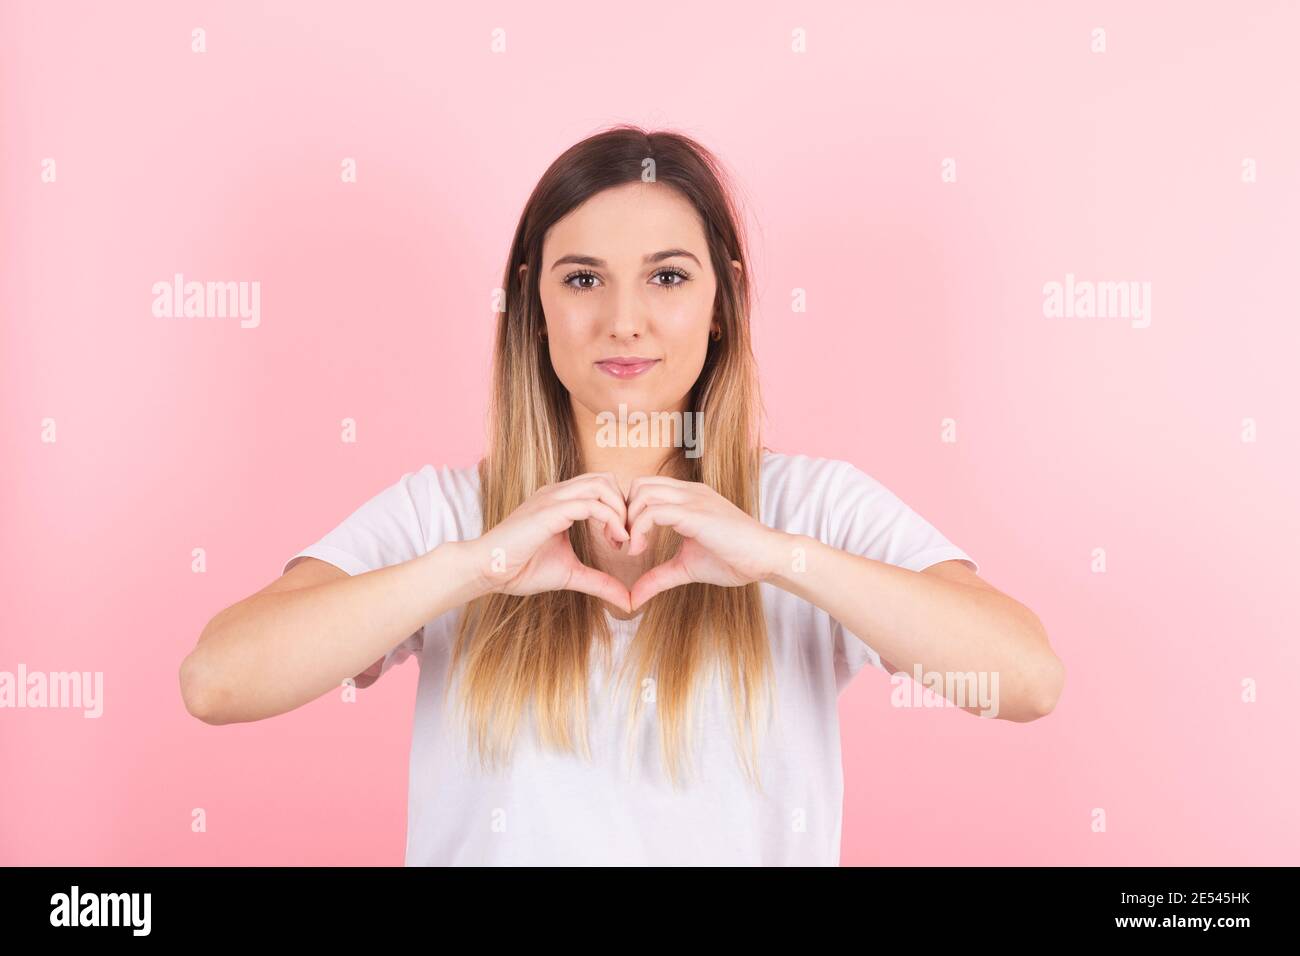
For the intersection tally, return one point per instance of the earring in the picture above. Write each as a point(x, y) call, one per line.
point(716, 334)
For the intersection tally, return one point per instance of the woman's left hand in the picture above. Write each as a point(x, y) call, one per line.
point(721, 544)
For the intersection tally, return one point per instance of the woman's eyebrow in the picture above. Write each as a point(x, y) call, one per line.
point(601, 263)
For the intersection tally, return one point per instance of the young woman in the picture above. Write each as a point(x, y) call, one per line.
point(630, 648)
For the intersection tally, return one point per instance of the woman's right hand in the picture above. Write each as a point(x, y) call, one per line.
point(530, 552)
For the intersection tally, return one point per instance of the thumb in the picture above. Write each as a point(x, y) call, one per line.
point(598, 583)
point(661, 578)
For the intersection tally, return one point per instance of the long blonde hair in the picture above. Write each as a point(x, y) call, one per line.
point(534, 651)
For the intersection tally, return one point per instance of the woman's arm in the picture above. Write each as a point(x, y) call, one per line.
point(945, 621)
point(306, 632)
point(948, 622)
point(313, 627)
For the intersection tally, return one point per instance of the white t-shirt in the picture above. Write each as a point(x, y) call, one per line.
point(553, 808)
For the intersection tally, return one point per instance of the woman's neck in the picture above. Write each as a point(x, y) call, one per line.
point(625, 462)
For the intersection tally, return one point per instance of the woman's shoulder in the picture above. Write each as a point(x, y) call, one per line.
point(447, 496)
point(458, 485)
point(809, 473)
point(444, 472)
point(801, 491)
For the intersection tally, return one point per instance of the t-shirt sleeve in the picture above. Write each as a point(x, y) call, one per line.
point(864, 517)
point(390, 528)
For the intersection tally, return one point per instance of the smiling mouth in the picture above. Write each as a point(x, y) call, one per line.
point(629, 367)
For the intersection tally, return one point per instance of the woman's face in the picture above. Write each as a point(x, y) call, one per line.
point(627, 288)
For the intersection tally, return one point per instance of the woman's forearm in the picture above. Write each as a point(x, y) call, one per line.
point(274, 651)
point(914, 620)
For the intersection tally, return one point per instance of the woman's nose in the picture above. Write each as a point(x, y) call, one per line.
point(629, 317)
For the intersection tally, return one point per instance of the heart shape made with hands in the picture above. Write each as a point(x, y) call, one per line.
point(644, 587)
point(651, 582)
point(692, 509)
point(721, 544)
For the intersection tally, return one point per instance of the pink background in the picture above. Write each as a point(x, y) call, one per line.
point(924, 303)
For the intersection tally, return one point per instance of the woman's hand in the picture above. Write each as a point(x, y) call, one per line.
point(529, 552)
point(721, 544)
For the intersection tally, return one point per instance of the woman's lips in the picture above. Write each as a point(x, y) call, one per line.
point(626, 367)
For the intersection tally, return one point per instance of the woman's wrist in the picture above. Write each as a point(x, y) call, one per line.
point(788, 558)
point(456, 566)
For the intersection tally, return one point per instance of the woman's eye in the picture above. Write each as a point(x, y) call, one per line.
point(679, 277)
point(568, 281)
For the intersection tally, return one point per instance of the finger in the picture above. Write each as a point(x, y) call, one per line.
point(561, 514)
point(609, 521)
point(602, 481)
point(653, 494)
point(590, 581)
point(608, 491)
point(600, 485)
point(614, 521)
point(669, 515)
point(666, 576)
